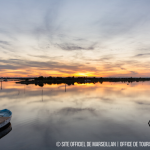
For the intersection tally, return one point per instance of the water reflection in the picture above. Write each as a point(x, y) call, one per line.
point(5, 130)
point(84, 112)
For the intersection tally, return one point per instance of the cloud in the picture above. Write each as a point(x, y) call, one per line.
point(12, 65)
point(142, 55)
point(142, 103)
point(134, 72)
point(103, 58)
point(73, 111)
point(107, 32)
point(4, 42)
point(69, 46)
point(45, 57)
point(122, 68)
point(5, 45)
point(121, 18)
point(15, 64)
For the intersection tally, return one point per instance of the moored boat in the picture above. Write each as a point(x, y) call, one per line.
point(5, 117)
point(5, 130)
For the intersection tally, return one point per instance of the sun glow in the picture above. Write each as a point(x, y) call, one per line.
point(89, 74)
point(35, 72)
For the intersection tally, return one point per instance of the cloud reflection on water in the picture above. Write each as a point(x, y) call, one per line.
point(98, 112)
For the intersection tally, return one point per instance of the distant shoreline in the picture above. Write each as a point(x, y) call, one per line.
point(20, 78)
point(80, 80)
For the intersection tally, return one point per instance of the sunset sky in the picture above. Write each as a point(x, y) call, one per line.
point(103, 38)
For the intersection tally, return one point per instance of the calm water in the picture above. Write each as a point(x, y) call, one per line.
point(88, 112)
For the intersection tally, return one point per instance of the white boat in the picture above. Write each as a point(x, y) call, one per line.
point(5, 117)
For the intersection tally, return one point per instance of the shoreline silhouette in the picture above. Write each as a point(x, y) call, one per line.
point(80, 80)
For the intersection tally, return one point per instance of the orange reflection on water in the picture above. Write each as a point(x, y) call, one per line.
point(108, 99)
point(133, 85)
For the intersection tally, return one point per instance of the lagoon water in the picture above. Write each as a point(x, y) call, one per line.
point(42, 116)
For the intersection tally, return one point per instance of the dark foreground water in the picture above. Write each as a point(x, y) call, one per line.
point(42, 116)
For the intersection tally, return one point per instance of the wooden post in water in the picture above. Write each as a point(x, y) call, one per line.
point(65, 87)
point(24, 89)
point(42, 93)
point(1, 85)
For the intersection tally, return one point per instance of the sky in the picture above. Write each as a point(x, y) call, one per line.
point(102, 38)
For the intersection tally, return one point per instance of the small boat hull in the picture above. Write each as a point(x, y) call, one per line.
point(5, 117)
point(5, 130)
